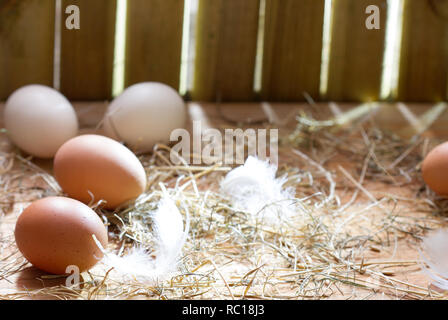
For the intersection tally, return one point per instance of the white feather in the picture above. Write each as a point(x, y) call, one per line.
point(170, 238)
point(254, 188)
point(435, 256)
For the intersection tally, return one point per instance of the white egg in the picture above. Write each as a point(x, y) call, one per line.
point(39, 120)
point(145, 114)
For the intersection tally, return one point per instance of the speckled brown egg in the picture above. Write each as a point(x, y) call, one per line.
point(90, 168)
point(56, 232)
point(435, 169)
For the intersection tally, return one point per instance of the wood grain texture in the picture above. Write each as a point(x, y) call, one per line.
point(154, 41)
point(356, 53)
point(26, 44)
point(226, 43)
point(292, 49)
point(424, 54)
point(87, 54)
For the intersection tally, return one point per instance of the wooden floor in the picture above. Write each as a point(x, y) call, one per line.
point(390, 116)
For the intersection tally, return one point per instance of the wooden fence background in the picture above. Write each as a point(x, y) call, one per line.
point(226, 46)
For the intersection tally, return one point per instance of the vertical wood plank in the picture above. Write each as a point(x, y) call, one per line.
point(292, 49)
point(356, 54)
point(226, 45)
point(424, 53)
point(26, 44)
point(154, 41)
point(87, 54)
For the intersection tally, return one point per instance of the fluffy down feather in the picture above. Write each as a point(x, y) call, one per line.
point(435, 256)
point(170, 237)
point(254, 188)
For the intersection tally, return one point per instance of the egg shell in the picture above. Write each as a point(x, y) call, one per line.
point(56, 232)
point(435, 169)
point(145, 114)
point(39, 120)
point(94, 165)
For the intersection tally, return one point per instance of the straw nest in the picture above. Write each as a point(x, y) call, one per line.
point(358, 192)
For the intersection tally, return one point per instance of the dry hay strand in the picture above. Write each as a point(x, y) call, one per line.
point(322, 252)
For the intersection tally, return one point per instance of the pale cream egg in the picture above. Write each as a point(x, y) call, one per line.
point(39, 120)
point(145, 114)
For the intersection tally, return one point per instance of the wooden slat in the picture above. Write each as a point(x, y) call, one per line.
point(226, 41)
point(292, 49)
point(154, 41)
point(87, 54)
point(356, 54)
point(424, 54)
point(26, 44)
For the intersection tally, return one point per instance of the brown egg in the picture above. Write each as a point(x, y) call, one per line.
point(92, 168)
point(56, 232)
point(435, 169)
